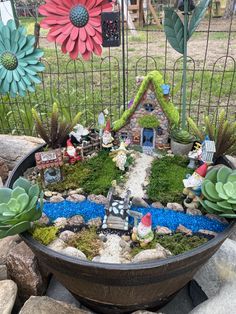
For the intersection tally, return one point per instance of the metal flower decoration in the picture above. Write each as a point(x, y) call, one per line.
point(76, 25)
point(19, 60)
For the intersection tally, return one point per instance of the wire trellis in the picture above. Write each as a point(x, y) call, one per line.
point(110, 82)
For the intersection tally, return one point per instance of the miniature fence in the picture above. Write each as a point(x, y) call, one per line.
point(109, 82)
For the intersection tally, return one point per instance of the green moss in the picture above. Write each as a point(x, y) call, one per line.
point(45, 235)
point(177, 243)
point(169, 109)
point(94, 175)
point(166, 179)
point(148, 121)
point(87, 241)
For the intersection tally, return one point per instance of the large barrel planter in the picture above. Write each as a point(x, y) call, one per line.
point(120, 288)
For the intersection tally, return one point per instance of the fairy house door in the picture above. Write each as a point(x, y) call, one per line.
point(148, 137)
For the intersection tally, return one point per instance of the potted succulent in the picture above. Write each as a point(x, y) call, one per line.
point(181, 141)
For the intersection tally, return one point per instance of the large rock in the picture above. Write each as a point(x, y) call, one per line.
point(158, 253)
point(218, 270)
point(8, 292)
point(23, 268)
point(46, 305)
point(13, 148)
point(6, 245)
point(3, 169)
point(224, 302)
point(3, 272)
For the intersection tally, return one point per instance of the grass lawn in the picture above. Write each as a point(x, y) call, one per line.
point(166, 177)
point(94, 175)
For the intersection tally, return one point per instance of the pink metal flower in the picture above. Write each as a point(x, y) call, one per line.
point(75, 24)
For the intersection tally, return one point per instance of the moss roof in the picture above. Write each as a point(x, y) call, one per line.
point(168, 108)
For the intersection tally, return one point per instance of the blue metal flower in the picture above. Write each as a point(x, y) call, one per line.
point(19, 60)
point(166, 89)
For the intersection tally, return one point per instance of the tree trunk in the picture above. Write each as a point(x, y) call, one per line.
point(229, 10)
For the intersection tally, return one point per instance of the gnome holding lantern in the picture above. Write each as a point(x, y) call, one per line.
point(71, 153)
point(143, 232)
point(107, 139)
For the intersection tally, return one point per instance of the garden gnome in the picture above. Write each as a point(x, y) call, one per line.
point(143, 233)
point(121, 156)
point(192, 186)
point(107, 139)
point(71, 153)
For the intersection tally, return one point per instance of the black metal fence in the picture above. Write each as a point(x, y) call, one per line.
point(110, 82)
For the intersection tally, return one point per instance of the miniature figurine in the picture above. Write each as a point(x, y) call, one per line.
point(192, 186)
point(71, 153)
point(208, 151)
point(78, 134)
point(107, 139)
point(143, 233)
point(120, 156)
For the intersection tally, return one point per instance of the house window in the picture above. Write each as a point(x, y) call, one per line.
point(124, 136)
point(148, 107)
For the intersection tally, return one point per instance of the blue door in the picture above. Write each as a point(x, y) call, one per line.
point(148, 136)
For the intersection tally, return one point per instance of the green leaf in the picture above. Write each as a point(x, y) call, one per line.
point(211, 191)
point(18, 228)
point(5, 195)
point(34, 191)
point(174, 30)
point(13, 205)
point(232, 177)
point(213, 206)
point(224, 205)
point(228, 215)
point(229, 189)
point(212, 175)
point(223, 174)
point(4, 208)
point(23, 200)
point(17, 191)
point(23, 183)
point(197, 15)
point(220, 190)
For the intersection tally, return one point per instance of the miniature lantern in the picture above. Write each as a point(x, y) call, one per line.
point(111, 29)
point(208, 150)
point(49, 164)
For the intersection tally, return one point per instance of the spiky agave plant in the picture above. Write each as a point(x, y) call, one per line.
point(55, 136)
point(220, 130)
point(19, 207)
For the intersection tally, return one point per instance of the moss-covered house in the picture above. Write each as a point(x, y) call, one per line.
point(148, 120)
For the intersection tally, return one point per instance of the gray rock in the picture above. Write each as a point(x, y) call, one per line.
point(23, 268)
point(98, 199)
point(158, 253)
point(66, 235)
point(138, 201)
point(48, 193)
point(46, 305)
point(60, 222)
point(157, 205)
point(13, 148)
point(217, 218)
point(57, 245)
point(224, 302)
point(44, 220)
point(58, 292)
point(218, 270)
point(8, 292)
point(232, 160)
point(6, 245)
point(75, 220)
point(3, 170)
point(56, 199)
point(76, 198)
point(95, 222)
point(1, 182)
point(175, 206)
point(71, 251)
point(163, 230)
point(207, 232)
point(3, 272)
point(184, 230)
point(194, 211)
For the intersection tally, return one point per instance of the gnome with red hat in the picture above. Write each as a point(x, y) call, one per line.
point(192, 186)
point(107, 139)
point(143, 232)
point(71, 153)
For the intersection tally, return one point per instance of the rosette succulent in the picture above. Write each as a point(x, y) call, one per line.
point(19, 60)
point(181, 136)
point(19, 207)
point(219, 191)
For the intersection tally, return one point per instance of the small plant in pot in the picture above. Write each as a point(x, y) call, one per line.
point(181, 141)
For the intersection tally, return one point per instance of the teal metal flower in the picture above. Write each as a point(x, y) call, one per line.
point(19, 60)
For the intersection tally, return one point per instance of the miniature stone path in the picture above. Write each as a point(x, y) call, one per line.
point(138, 175)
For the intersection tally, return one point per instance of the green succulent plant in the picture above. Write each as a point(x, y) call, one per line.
point(219, 191)
point(18, 207)
point(181, 136)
